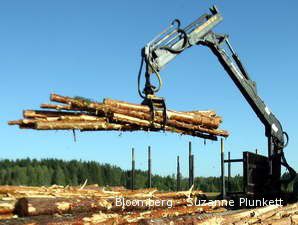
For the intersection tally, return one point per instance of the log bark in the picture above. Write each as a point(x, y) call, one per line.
point(22, 122)
point(51, 205)
point(79, 125)
point(71, 219)
point(56, 115)
point(45, 114)
point(77, 103)
point(59, 107)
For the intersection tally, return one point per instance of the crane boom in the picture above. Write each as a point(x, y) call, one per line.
point(174, 40)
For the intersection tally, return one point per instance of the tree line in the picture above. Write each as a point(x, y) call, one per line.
point(48, 172)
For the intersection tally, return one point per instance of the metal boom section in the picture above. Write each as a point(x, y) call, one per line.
point(174, 40)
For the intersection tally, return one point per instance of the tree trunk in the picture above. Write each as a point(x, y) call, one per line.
point(51, 205)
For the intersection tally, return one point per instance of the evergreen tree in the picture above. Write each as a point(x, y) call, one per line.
point(53, 171)
point(59, 176)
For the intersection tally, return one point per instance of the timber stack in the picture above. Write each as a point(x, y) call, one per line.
point(94, 205)
point(82, 114)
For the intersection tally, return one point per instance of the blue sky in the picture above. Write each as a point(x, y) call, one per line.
point(92, 49)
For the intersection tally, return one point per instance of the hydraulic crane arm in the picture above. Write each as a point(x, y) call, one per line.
point(174, 40)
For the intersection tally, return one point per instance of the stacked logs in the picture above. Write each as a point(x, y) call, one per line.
point(95, 206)
point(85, 115)
point(77, 205)
point(268, 215)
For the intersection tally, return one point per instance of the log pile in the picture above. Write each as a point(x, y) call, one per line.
point(269, 215)
point(86, 115)
point(92, 205)
point(77, 205)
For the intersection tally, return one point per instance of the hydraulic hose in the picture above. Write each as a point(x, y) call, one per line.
point(139, 78)
point(184, 45)
point(292, 172)
point(284, 162)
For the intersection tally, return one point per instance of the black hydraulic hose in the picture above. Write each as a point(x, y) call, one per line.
point(184, 45)
point(284, 162)
point(287, 137)
point(139, 77)
point(292, 172)
point(176, 21)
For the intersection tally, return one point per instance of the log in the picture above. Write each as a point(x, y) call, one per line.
point(7, 206)
point(78, 125)
point(179, 194)
point(77, 103)
point(71, 219)
point(7, 216)
point(45, 114)
point(49, 206)
point(31, 206)
point(209, 113)
point(59, 107)
point(192, 118)
point(55, 116)
point(22, 122)
point(15, 122)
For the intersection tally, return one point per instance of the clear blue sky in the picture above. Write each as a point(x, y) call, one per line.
point(92, 49)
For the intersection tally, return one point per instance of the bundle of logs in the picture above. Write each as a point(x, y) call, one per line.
point(83, 114)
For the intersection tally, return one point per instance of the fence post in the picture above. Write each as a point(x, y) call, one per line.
point(190, 166)
point(229, 172)
point(178, 187)
point(149, 168)
point(132, 168)
point(223, 188)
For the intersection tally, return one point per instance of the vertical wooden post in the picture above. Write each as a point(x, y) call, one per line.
point(178, 187)
point(223, 188)
point(132, 168)
point(149, 168)
point(229, 172)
